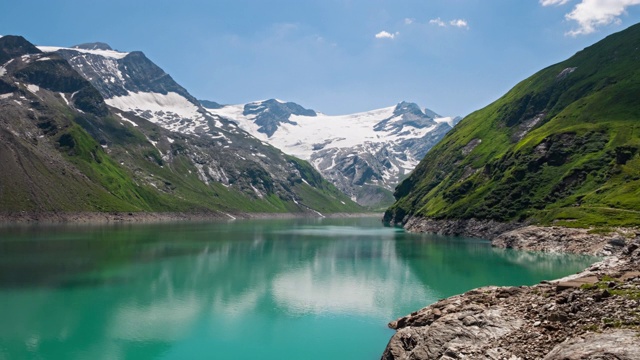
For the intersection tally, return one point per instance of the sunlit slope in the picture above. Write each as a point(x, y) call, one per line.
point(561, 146)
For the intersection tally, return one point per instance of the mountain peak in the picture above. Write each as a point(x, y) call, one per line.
point(210, 104)
point(291, 107)
point(12, 46)
point(93, 46)
point(405, 107)
point(269, 114)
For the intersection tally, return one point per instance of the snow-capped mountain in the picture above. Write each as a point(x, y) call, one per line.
point(365, 154)
point(227, 160)
point(133, 83)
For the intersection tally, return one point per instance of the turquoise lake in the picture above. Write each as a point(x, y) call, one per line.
point(259, 289)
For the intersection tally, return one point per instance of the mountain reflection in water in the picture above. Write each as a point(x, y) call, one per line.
point(246, 289)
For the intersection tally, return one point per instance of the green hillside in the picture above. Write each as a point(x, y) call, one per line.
point(560, 147)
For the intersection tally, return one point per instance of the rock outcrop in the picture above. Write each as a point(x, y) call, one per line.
point(593, 314)
point(561, 239)
point(485, 229)
point(616, 344)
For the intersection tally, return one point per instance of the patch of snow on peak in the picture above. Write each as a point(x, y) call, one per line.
point(229, 112)
point(169, 111)
point(33, 88)
point(64, 97)
point(104, 53)
point(124, 119)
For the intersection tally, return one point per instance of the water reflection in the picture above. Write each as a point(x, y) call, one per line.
point(349, 277)
point(455, 265)
point(550, 263)
point(179, 291)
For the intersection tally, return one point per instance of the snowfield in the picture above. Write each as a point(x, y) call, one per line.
point(327, 131)
point(172, 111)
point(105, 53)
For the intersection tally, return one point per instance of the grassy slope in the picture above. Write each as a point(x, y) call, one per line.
point(183, 190)
point(92, 180)
point(578, 166)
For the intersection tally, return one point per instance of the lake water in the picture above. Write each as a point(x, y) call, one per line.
point(268, 289)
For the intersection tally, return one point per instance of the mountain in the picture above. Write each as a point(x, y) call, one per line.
point(122, 136)
point(365, 154)
point(561, 147)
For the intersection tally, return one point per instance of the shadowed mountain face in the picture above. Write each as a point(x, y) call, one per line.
point(270, 114)
point(560, 147)
point(65, 149)
point(365, 155)
point(117, 74)
point(93, 46)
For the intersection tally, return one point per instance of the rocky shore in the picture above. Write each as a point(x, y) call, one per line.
point(594, 314)
point(485, 229)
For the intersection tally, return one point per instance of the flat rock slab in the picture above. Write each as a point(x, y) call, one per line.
point(576, 283)
point(617, 344)
point(630, 275)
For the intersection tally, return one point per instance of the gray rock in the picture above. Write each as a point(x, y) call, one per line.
point(485, 229)
point(617, 344)
point(560, 239)
point(617, 241)
point(453, 336)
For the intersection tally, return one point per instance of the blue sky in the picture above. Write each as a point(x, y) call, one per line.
point(335, 56)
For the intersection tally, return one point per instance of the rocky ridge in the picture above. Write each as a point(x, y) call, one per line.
point(593, 314)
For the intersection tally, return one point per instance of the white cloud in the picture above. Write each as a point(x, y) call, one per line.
point(459, 23)
point(591, 14)
point(386, 35)
point(408, 21)
point(553, 2)
point(438, 22)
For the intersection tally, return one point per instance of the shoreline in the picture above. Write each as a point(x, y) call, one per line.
point(593, 313)
point(53, 218)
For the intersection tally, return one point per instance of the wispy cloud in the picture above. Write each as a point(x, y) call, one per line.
point(459, 23)
point(408, 21)
point(592, 14)
point(386, 35)
point(438, 22)
point(553, 2)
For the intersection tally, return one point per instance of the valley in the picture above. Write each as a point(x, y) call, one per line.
point(92, 135)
